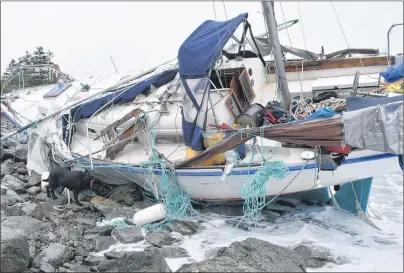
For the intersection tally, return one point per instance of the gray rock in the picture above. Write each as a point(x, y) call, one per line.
point(28, 208)
point(171, 252)
point(14, 210)
point(9, 198)
point(6, 167)
point(55, 254)
point(34, 179)
point(2, 153)
point(9, 143)
point(62, 269)
point(238, 224)
point(78, 259)
point(13, 183)
point(138, 261)
point(103, 242)
point(43, 209)
point(160, 238)
point(314, 256)
point(127, 235)
point(80, 268)
point(20, 154)
point(114, 255)
point(45, 267)
point(93, 260)
point(101, 231)
point(214, 252)
point(223, 264)
point(183, 227)
point(82, 252)
point(22, 171)
point(111, 210)
point(69, 233)
point(126, 194)
point(27, 224)
point(14, 250)
point(265, 256)
point(34, 190)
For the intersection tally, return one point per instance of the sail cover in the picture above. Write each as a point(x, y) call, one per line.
point(201, 49)
point(196, 57)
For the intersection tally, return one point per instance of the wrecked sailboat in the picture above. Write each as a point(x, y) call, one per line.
point(144, 128)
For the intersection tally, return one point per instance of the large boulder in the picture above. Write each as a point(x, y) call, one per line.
point(34, 190)
point(224, 264)
point(138, 261)
point(6, 167)
point(265, 256)
point(160, 238)
point(250, 255)
point(34, 179)
point(55, 254)
point(183, 227)
point(171, 252)
point(316, 256)
point(14, 250)
point(27, 224)
point(127, 235)
point(9, 198)
point(126, 194)
point(102, 242)
point(21, 154)
point(13, 183)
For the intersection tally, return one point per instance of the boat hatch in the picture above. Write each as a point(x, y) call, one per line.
point(57, 90)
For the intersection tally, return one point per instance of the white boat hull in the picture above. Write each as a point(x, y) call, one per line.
point(205, 184)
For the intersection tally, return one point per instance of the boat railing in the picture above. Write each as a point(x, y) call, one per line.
point(388, 40)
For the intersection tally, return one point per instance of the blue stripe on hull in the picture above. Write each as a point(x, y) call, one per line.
point(253, 170)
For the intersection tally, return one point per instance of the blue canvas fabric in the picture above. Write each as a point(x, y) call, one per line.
point(201, 49)
point(196, 57)
point(123, 95)
point(356, 103)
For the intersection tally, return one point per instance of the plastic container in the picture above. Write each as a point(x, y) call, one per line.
point(149, 215)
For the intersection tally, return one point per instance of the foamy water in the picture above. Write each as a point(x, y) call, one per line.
point(366, 248)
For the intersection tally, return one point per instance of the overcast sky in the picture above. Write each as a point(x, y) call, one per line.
point(139, 35)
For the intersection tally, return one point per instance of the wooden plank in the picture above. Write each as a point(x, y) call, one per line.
point(110, 130)
point(332, 64)
point(123, 140)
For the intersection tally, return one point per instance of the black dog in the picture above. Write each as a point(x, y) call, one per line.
point(73, 180)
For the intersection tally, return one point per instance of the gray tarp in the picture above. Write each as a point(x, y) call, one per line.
point(377, 128)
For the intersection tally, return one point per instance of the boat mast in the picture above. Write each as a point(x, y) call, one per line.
point(273, 41)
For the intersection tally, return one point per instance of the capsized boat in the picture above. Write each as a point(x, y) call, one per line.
point(181, 111)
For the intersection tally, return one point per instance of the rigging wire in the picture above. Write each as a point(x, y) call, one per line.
point(346, 41)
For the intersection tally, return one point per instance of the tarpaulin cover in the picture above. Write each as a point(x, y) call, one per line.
point(123, 95)
point(393, 74)
point(377, 128)
point(201, 49)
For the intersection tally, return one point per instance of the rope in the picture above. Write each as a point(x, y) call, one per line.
point(254, 191)
point(304, 107)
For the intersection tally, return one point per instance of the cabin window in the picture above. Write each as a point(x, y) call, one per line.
point(225, 77)
point(57, 90)
point(91, 130)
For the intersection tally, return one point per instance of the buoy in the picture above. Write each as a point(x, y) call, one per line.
point(149, 215)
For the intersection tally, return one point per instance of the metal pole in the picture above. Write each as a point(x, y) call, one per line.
point(113, 64)
point(388, 41)
point(273, 41)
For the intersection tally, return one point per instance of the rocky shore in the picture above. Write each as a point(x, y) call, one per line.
point(39, 234)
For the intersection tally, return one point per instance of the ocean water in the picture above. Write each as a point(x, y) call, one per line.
point(364, 248)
